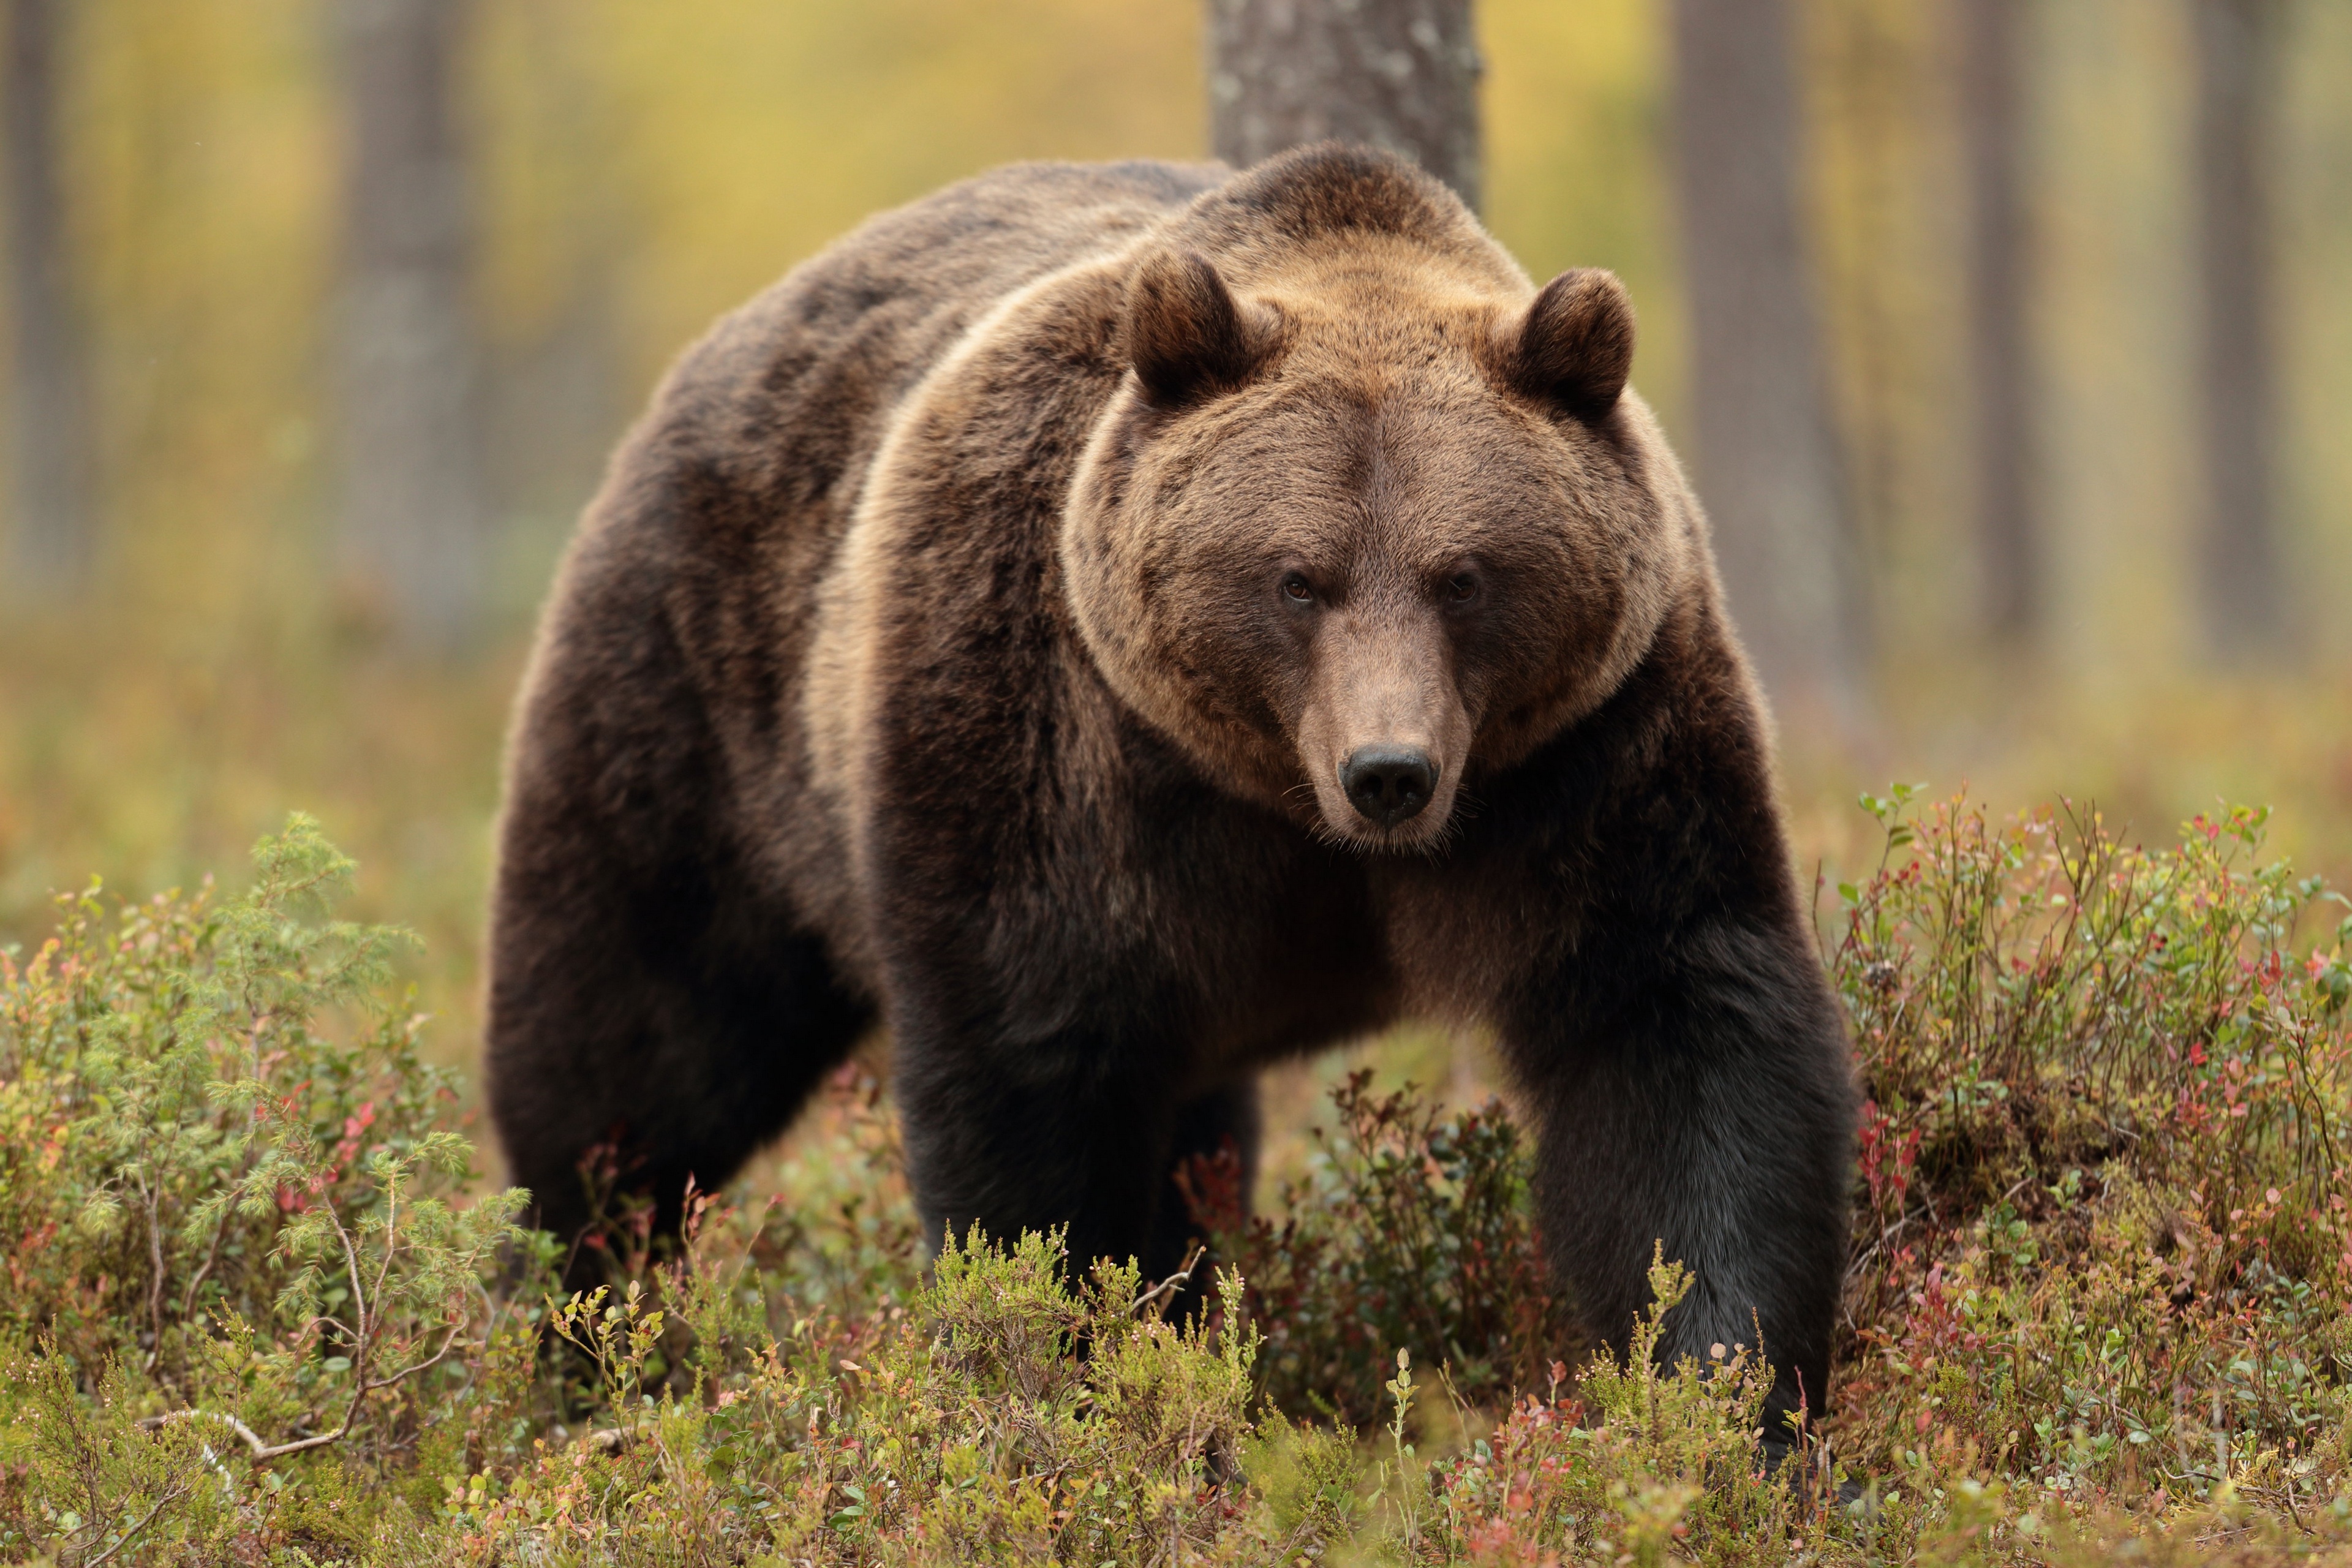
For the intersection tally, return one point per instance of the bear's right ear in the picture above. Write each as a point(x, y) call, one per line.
point(1186, 335)
point(1575, 347)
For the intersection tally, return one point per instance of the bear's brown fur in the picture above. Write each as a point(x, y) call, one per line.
point(1118, 625)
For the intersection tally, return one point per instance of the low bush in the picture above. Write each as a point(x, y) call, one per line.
point(262, 1311)
point(2102, 1249)
point(1409, 1231)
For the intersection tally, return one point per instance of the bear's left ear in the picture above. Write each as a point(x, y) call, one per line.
point(1575, 347)
point(1186, 334)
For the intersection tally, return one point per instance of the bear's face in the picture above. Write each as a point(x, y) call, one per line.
point(1351, 541)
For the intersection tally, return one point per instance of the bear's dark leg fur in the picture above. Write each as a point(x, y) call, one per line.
point(1014, 1152)
point(686, 1037)
point(1679, 1045)
point(1702, 1107)
point(651, 996)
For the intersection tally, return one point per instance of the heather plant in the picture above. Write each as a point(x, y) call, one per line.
point(2101, 1237)
point(1410, 1230)
point(192, 1157)
point(976, 1432)
point(1641, 1461)
point(229, 1229)
point(261, 1316)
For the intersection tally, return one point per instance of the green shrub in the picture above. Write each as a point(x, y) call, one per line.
point(238, 1233)
point(257, 1319)
point(1411, 1231)
point(180, 1144)
point(2102, 1241)
point(1641, 1461)
point(976, 1432)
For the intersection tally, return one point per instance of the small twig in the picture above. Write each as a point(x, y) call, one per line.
point(1886, 1236)
point(329, 1320)
point(154, 1197)
point(358, 1291)
point(262, 1451)
point(1461, 1405)
point(433, 1360)
point(166, 1500)
point(1170, 1285)
point(252, 1439)
point(2180, 1427)
point(391, 1239)
point(363, 1342)
point(2220, 1435)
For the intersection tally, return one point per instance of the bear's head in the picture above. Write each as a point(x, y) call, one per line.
point(1368, 515)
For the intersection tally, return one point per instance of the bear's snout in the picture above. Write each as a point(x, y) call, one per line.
point(1384, 728)
point(1388, 785)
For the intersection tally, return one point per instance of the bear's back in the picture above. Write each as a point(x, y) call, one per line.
point(757, 442)
point(671, 659)
point(787, 392)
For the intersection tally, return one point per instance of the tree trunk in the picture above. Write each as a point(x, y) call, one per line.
point(2237, 54)
point(2009, 546)
point(1765, 455)
point(1396, 74)
point(413, 510)
point(49, 447)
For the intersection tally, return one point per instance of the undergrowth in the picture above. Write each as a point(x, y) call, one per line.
point(261, 1310)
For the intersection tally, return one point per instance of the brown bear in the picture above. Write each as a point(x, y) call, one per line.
point(1118, 626)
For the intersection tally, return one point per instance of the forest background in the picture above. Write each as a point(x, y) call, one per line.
point(201, 625)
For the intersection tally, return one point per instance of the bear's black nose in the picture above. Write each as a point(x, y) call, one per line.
point(1388, 783)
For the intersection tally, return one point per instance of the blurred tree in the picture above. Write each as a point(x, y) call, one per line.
point(2237, 77)
point(1766, 461)
point(1885, 243)
point(49, 449)
point(1397, 74)
point(412, 507)
point(554, 223)
point(2008, 531)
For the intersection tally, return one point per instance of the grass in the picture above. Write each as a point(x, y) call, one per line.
point(264, 1309)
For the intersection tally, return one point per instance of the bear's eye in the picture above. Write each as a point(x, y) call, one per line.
point(1297, 589)
point(1462, 587)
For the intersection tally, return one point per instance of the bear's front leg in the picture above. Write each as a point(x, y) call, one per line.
point(1692, 1090)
